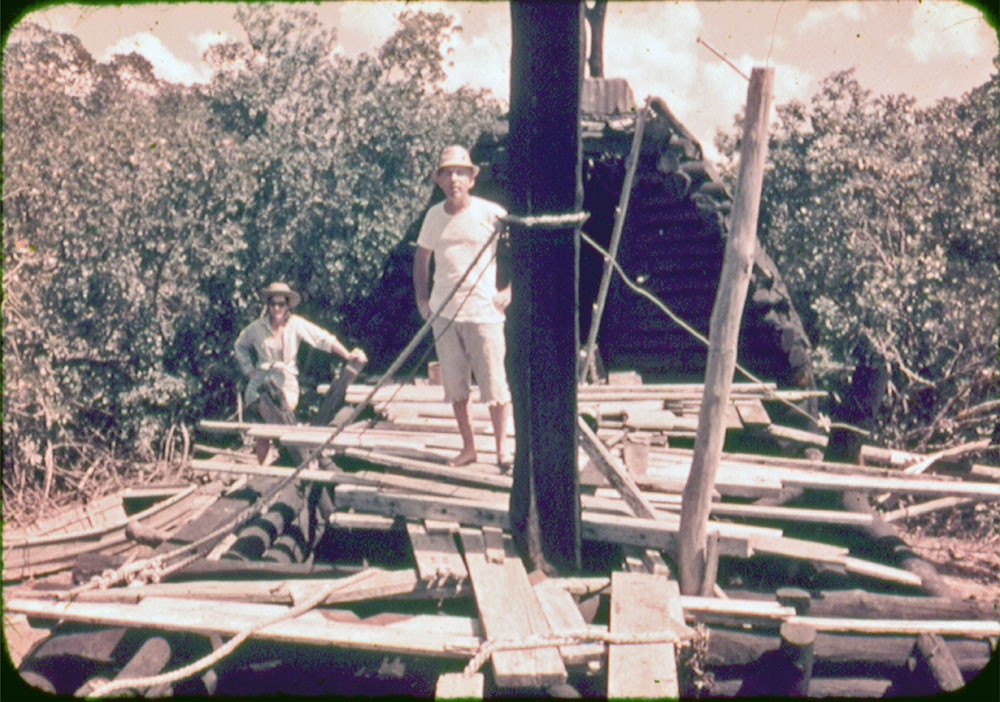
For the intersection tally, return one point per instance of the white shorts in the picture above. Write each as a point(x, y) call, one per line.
point(467, 349)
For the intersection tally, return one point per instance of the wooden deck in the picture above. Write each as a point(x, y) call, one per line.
point(518, 630)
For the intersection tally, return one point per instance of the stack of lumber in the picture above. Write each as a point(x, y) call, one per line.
point(430, 534)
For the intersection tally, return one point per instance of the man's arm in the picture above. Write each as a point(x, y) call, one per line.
point(421, 278)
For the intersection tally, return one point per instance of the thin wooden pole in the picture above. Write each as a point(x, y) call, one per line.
point(616, 236)
point(724, 330)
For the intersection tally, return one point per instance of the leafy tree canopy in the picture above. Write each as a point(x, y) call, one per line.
point(882, 217)
point(141, 217)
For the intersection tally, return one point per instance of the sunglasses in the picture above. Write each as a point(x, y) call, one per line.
point(277, 303)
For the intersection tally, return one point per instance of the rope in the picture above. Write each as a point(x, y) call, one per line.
point(571, 638)
point(230, 646)
point(768, 392)
point(547, 221)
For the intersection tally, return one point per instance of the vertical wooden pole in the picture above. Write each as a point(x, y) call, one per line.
point(724, 328)
point(616, 237)
point(543, 177)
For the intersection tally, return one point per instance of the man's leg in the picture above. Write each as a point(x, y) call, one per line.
point(468, 452)
point(456, 377)
point(498, 416)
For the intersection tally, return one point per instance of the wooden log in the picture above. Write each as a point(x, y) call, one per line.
point(884, 538)
point(620, 211)
point(837, 653)
point(834, 688)
point(723, 333)
point(641, 603)
point(543, 150)
point(711, 565)
point(934, 670)
point(152, 656)
point(508, 610)
point(333, 398)
point(944, 627)
point(797, 646)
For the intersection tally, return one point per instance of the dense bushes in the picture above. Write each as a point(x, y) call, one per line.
point(141, 217)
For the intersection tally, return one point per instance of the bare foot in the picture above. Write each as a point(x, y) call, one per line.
point(505, 462)
point(463, 459)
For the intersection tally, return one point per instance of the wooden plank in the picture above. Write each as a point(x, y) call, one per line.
point(752, 412)
point(736, 540)
point(231, 618)
point(360, 477)
point(437, 557)
point(565, 619)
point(509, 611)
point(616, 473)
point(639, 606)
point(452, 686)
point(960, 627)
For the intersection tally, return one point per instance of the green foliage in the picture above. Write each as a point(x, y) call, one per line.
point(141, 217)
point(883, 219)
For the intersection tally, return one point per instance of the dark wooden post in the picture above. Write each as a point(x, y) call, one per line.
point(724, 328)
point(543, 177)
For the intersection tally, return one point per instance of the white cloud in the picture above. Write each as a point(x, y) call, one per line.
point(825, 14)
point(206, 40)
point(363, 26)
point(942, 29)
point(478, 62)
point(166, 65)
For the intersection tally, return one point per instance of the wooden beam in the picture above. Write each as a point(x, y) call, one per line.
point(509, 611)
point(544, 177)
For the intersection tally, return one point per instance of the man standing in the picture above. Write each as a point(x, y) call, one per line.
point(469, 333)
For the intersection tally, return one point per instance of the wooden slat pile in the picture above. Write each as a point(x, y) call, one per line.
point(620, 632)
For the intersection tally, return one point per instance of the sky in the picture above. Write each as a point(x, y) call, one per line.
point(670, 50)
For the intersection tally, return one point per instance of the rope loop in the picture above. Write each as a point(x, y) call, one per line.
point(547, 222)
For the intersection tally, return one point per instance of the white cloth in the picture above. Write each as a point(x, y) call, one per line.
point(455, 240)
point(276, 354)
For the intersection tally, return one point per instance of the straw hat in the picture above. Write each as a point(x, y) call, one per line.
point(457, 156)
point(282, 289)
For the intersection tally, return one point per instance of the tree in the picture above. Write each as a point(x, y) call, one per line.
point(882, 217)
point(141, 217)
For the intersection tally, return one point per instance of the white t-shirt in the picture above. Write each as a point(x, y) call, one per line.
point(455, 240)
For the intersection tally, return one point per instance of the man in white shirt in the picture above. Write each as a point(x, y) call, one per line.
point(274, 339)
point(469, 333)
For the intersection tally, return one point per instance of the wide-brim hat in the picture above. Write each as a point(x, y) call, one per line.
point(456, 156)
point(282, 289)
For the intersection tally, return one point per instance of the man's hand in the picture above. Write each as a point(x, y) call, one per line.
point(502, 300)
point(357, 354)
point(425, 309)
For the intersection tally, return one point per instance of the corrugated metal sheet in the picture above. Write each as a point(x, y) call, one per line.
point(606, 97)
